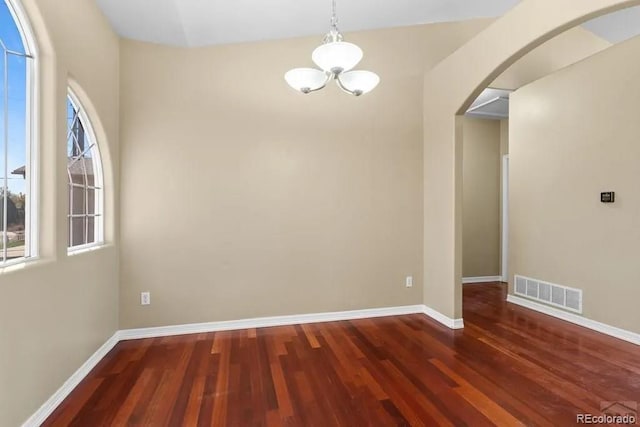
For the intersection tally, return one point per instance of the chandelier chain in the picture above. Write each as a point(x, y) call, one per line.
point(334, 34)
point(334, 17)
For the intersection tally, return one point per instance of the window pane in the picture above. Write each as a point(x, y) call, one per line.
point(13, 141)
point(78, 204)
point(71, 118)
point(17, 159)
point(82, 158)
point(91, 201)
point(91, 225)
point(88, 166)
point(10, 33)
point(2, 232)
point(14, 234)
point(76, 170)
point(15, 246)
point(78, 231)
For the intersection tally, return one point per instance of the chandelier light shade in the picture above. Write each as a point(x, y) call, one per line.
point(335, 58)
point(358, 82)
point(306, 79)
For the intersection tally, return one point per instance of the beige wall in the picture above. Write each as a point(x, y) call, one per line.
point(449, 88)
point(565, 49)
point(320, 194)
point(481, 198)
point(568, 144)
point(242, 198)
point(58, 310)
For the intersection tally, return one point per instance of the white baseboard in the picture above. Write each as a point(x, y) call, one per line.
point(481, 279)
point(56, 399)
point(613, 331)
point(265, 322)
point(445, 320)
point(262, 322)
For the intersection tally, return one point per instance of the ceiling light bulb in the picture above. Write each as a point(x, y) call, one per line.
point(358, 82)
point(337, 57)
point(306, 80)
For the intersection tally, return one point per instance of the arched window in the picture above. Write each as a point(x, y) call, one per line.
point(84, 174)
point(17, 157)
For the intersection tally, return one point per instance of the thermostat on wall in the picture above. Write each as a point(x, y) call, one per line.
point(608, 197)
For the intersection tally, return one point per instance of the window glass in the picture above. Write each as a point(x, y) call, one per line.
point(15, 141)
point(84, 176)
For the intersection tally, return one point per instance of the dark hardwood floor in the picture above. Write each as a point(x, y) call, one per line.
point(509, 366)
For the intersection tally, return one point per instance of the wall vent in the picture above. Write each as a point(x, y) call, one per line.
point(549, 293)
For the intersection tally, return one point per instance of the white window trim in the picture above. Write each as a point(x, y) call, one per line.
point(32, 163)
point(98, 180)
point(89, 247)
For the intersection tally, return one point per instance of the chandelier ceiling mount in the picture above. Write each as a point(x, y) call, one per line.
point(336, 60)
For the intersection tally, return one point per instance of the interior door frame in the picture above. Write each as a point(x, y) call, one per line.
point(504, 234)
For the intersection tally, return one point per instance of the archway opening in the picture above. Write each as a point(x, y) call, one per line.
point(492, 54)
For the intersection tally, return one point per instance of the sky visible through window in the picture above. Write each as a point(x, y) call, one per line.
point(17, 111)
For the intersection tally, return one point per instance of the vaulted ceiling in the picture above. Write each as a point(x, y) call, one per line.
point(208, 22)
point(205, 22)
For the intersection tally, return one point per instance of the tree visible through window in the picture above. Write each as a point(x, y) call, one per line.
point(84, 173)
point(16, 170)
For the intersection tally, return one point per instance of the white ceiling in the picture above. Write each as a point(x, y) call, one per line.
point(618, 26)
point(207, 22)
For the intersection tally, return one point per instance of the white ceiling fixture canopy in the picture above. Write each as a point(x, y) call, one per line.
point(336, 58)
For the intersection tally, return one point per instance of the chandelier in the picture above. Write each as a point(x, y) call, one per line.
point(336, 60)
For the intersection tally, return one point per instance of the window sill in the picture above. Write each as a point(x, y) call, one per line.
point(20, 264)
point(78, 250)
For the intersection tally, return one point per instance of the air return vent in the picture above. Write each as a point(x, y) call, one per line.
point(549, 293)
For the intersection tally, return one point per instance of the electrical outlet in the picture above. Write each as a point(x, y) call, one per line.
point(145, 298)
point(408, 282)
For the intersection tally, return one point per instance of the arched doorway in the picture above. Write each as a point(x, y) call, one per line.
point(449, 89)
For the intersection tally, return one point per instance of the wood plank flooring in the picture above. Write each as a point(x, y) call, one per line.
point(509, 366)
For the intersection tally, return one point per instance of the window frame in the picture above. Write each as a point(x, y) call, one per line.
point(32, 120)
point(98, 177)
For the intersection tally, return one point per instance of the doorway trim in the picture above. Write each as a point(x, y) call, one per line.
point(504, 232)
